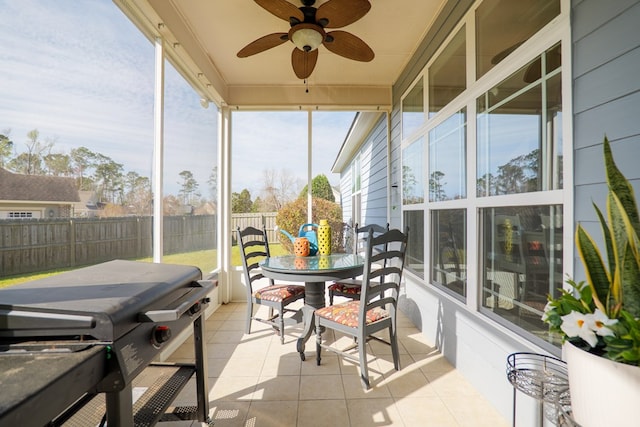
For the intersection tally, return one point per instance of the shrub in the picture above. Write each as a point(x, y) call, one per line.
point(294, 214)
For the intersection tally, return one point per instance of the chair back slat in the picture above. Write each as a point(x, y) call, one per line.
point(254, 247)
point(378, 280)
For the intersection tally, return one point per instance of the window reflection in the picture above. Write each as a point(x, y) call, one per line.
point(413, 109)
point(447, 159)
point(503, 25)
point(448, 74)
point(412, 173)
point(519, 132)
point(415, 247)
point(449, 250)
point(522, 263)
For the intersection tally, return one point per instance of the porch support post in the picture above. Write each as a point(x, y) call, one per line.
point(309, 165)
point(158, 150)
point(224, 199)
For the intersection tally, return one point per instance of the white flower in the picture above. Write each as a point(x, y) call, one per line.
point(547, 309)
point(576, 324)
point(599, 322)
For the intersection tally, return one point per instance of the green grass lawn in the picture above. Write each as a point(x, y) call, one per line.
point(204, 260)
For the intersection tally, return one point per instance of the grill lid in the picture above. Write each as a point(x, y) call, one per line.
point(102, 301)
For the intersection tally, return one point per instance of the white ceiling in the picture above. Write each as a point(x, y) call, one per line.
point(211, 32)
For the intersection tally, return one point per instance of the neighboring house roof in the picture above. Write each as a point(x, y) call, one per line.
point(37, 188)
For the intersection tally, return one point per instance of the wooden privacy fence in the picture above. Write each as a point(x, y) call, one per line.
point(256, 220)
point(33, 245)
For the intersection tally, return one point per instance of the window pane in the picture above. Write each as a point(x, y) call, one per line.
point(413, 109)
point(522, 263)
point(412, 173)
point(519, 134)
point(190, 176)
point(448, 74)
point(415, 247)
point(503, 25)
point(447, 159)
point(449, 250)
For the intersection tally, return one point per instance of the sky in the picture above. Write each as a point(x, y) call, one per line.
point(80, 73)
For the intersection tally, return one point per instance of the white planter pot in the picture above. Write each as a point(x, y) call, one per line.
point(603, 392)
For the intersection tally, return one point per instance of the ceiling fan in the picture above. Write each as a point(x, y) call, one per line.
point(307, 32)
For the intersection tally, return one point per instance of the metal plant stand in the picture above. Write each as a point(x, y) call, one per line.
point(544, 378)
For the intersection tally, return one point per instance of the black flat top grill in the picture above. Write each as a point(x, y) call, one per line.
point(93, 330)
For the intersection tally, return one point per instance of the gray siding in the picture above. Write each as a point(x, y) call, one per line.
point(374, 175)
point(606, 98)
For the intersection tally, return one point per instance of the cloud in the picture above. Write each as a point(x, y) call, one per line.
point(82, 74)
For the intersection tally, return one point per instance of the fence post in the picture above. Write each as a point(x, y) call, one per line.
point(72, 243)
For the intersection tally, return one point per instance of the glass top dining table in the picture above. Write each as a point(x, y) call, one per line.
point(314, 272)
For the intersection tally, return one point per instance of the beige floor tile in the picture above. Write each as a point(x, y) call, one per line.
point(425, 411)
point(377, 347)
point(277, 388)
point(232, 325)
point(409, 384)
point(226, 337)
point(353, 388)
point(256, 381)
point(281, 366)
point(232, 388)
point(415, 343)
point(323, 413)
point(329, 365)
point(385, 364)
point(374, 412)
point(221, 350)
point(229, 414)
point(235, 367)
point(272, 414)
point(321, 387)
point(433, 363)
point(451, 384)
point(474, 411)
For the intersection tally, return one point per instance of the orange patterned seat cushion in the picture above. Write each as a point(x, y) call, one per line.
point(277, 293)
point(344, 288)
point(347, 313)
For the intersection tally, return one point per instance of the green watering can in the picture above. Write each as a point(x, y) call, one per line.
point(308, 231)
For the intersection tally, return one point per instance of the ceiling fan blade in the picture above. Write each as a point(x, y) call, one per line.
point(342, 12)
point(346, 44)
point(262, 44)
point(282, 9)
point(303, 62)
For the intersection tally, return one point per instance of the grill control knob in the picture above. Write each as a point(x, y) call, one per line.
point(160, 334)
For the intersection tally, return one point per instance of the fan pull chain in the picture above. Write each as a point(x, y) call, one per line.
point(306, 85)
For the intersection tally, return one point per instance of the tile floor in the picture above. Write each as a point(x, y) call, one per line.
point(255, 381)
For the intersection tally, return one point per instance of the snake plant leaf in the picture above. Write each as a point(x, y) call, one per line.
point(597, 275)
point(621, 187)
point(630, 280)
point(606, 235)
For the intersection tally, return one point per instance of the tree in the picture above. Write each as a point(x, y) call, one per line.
point(320, 187)
point(189, 187)
point(436, 187)
point(241, 202)
point(213, 183)
point(81, 160)
point(109, 176)
point(138, 193)
point(278, 189)
point(58, 164)
point(6, 147)
point(34, 154)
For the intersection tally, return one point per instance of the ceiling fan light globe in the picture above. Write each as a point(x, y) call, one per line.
point(307, 38)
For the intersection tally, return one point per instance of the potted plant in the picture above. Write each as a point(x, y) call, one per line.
point(599, 319)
